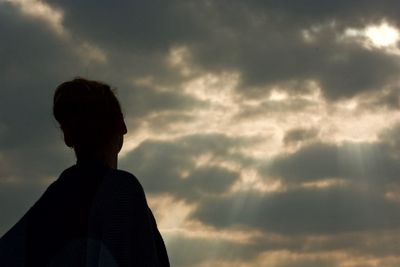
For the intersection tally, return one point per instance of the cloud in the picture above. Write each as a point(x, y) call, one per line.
point(145, 33)
point(148, 100)
point(21, 195)
point(304, 261)
point(184, 250)
point(368, 163)
point(30, 140)
point(275, 107)
point(391, 136)
point(299, 134)
point(32, 153)
point(304, 211)
point(281, 53)
point(362, 204)
point(141, 25)
point(387, 99)
point(187, 167)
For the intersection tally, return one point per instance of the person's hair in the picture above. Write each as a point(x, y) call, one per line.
point(88, 112)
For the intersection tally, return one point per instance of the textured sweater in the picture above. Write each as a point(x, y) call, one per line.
point(91, 215)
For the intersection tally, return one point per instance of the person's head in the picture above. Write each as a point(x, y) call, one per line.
point(90, 117)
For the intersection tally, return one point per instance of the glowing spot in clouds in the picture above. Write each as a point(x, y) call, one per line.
point(382, 35)
point(278, 95)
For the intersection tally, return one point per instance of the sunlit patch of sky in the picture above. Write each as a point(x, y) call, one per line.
point(383, 36)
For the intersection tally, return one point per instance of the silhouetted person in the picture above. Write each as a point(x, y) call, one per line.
point(93, 214)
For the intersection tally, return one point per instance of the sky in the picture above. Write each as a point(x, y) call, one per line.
point(264, 133)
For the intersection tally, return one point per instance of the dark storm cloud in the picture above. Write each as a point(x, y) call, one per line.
point(299, 134)
point(30, 141)
point(388, 99)
point(308, 12)
point(146, 100)
point(305, 211)
point(136, 35)
point(391, 136)
point(158, 109)
point(170, 166)
point(281, 54)
point(364, 163)
point(136, 26)
point(270, 49)
point(21, 195)
point(262, 40)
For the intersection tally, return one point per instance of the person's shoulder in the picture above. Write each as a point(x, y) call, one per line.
point(68, 172)
point(62, 178)
point(126, 177)
point(126, 180)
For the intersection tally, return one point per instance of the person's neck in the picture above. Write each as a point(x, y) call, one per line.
point(111, 160)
